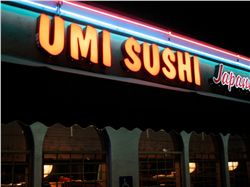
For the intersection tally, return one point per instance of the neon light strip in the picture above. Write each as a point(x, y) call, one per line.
point(210, 47)
point(39, 5)
point(129, 31)
point(117, 17)
point(159, 30)
point(152, 38)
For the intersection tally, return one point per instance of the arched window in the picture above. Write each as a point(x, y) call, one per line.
point(204, 166)
point(159, 159)
point(74, 156)
point(15, 156)
point(237, 162)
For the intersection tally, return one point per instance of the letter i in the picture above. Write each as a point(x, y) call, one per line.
point(197, 76)
point(106, 48)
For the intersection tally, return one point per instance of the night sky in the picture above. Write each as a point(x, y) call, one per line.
point(225, 24)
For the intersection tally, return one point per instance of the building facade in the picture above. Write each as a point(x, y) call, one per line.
point(92, 98)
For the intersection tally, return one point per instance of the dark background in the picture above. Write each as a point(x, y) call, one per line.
point(32, 94)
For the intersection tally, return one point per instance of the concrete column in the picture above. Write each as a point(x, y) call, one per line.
point(224, 160)
point(38, 131)
point(123, 153)
point(185, 137)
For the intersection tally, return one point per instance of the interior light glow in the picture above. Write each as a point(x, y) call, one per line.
point(159, 176)
point(156, 29)
point(232, 165)
point(47, 170)
point(20, 184)
point(192, 167)
point(146, 36)
point(163, 176)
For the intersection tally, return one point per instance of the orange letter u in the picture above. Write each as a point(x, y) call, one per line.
point(56, 46)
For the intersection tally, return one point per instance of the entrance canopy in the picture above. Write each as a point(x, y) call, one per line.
point(34, 94)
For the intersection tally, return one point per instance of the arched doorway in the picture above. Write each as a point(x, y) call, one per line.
point(204, 166)
point(159, 159)
point(74, 156)
point(15, 155)
point(237, 162)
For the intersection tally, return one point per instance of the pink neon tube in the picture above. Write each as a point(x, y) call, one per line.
point(118, 17)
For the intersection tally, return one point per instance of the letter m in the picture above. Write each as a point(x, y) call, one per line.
point(83, 42)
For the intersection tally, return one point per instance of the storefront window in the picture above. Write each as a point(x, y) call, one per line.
point(74, 156)
point(159, 160)
point(15, 156)
point(237, 164)
point(204, 159)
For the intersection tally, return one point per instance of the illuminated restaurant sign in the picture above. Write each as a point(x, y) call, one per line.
point(78, 38)
point(87, 43)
